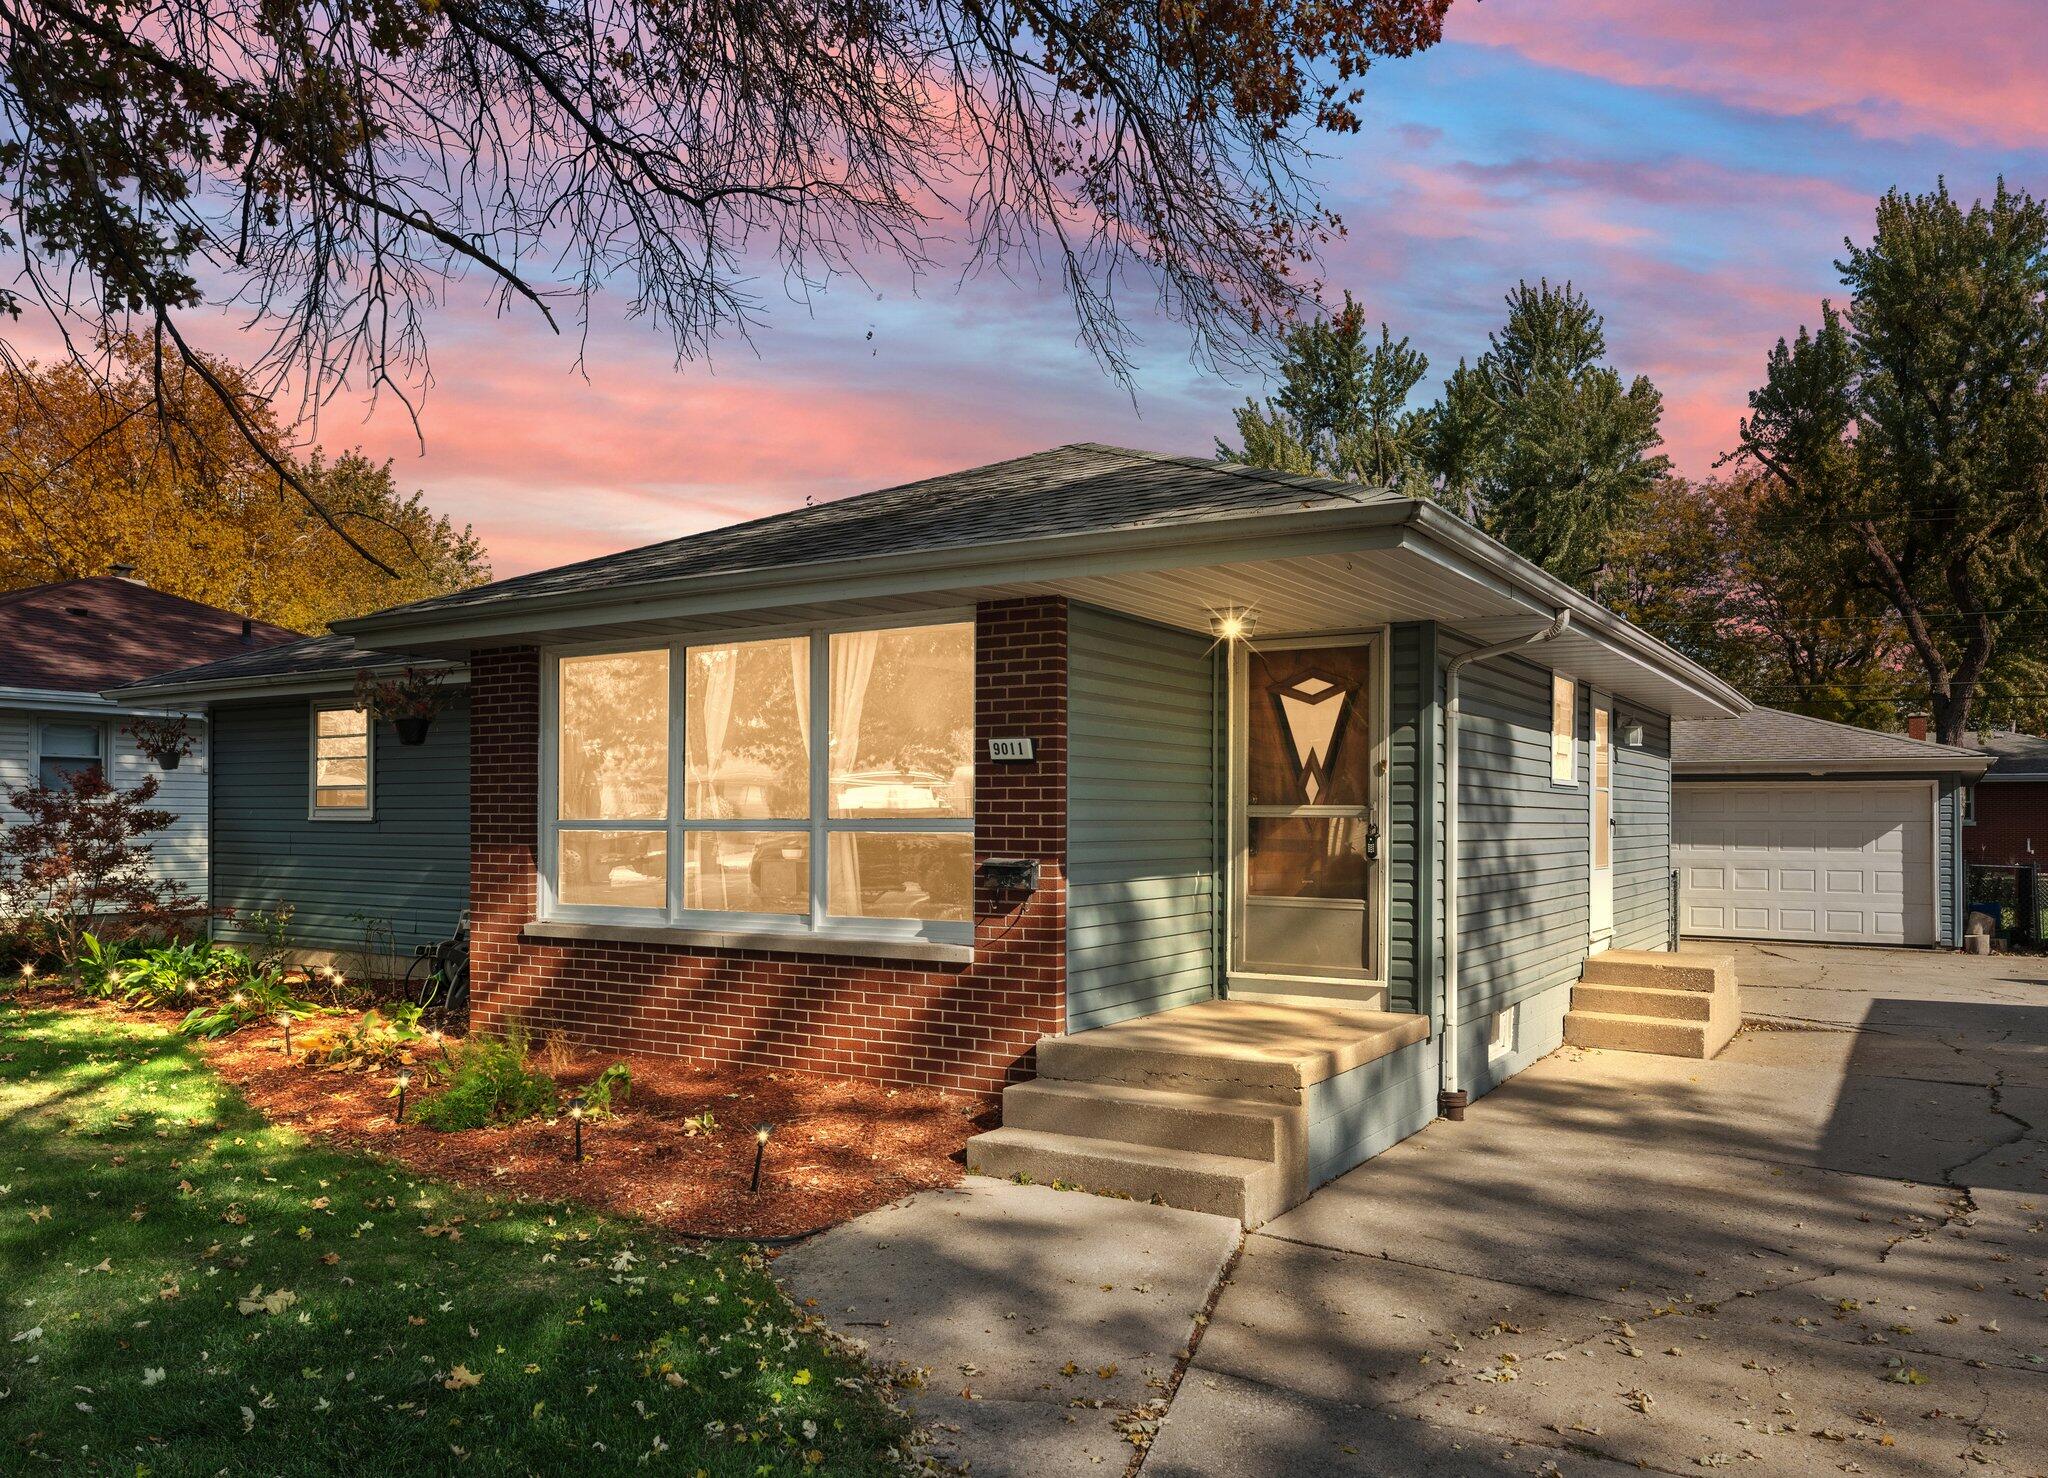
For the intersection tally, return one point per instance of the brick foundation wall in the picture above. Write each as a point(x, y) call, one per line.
point(972, 1027)
point(2011, 825)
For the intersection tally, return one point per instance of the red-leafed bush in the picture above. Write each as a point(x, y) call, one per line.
point(76, 863)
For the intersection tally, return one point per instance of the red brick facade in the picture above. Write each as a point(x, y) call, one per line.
point(969, 1027)
point(2011, 824)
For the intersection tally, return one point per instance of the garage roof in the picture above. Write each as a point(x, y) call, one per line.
point(2014, 756)
point(1770, 741)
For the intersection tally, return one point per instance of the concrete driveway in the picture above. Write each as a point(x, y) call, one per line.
point(1822, 1252)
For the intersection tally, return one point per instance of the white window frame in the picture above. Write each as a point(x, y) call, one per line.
point(1578, 690)
point(818, 923)
point(314, 810)
point(84, 721)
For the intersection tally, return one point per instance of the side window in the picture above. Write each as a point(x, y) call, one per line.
point(1564, 730)
point(342, 740)
point(67, 747)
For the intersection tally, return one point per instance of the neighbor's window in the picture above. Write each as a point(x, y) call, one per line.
point(342, 740)
point(862, 821)
point(67, 747)
point(1564, 730)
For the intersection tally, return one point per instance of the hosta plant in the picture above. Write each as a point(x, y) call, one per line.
point(262, 998)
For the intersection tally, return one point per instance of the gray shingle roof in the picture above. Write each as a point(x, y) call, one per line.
point(309, 657)
point(2014, 754)
point(1081, 488)
point(1772, 736)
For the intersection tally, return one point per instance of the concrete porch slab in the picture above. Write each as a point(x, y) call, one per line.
point(1270, 1049)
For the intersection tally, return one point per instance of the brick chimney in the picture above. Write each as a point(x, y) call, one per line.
point(1916, 726)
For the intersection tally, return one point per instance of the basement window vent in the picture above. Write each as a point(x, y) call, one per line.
point(1500, 1042)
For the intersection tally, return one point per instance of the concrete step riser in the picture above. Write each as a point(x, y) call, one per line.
point(1097, 1112)
point(1664, 1038)
point(1252, 1197)
point(1633, 1000)
point(1603, 970)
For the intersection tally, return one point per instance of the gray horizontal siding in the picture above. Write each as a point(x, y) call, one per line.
point(1642, 831)
point(1948, 864)
point(1523, 869)
point(367, 887)
point(1141, 820)
point(1413, 818)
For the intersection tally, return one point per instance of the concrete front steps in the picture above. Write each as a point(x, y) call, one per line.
point(1635, 1000)
point(1204, 1107)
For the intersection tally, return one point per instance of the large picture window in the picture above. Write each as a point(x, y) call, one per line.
point(821, 781)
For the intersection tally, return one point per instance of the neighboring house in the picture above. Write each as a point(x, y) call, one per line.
point(314, 808)
point(61, 645)
point(1152, 757)
point(1797, 828)
point(2006, 819)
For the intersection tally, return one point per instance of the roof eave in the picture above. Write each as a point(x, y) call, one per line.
point(281, 684)
point(1972, 766)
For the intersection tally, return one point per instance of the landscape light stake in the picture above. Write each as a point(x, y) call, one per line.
point(404, 1082)
point(284, 1019)
point(761, 1133)
point(576, 1120)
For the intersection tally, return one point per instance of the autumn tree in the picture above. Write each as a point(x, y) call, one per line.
point(91, 474)
point(1905, 439)
point(329, 169)
point(75, 861)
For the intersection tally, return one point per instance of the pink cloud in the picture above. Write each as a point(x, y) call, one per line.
point(1966, 70)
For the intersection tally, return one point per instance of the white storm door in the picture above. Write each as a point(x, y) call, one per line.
point(1602, 905)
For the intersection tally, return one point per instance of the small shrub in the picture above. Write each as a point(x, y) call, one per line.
point(696, 1124)
point(488, 1082)
point(76, 863)
point(262, 998)
point(181, 971)
point(103, 964)
point(608, 1090)
point(382, 1037)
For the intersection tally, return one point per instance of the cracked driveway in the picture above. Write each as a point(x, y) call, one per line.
point(1823, 1252)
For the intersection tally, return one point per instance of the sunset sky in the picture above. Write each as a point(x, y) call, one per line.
point(1693, 165)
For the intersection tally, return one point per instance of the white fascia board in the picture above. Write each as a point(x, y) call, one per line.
point(64, 700)
point(287, 685)
point(1965, 766)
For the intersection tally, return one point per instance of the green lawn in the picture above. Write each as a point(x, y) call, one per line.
point(147, 1213)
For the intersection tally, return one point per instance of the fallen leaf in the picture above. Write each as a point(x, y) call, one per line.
point(461, 1378)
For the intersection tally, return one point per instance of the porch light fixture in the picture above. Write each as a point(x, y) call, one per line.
point(576, 1109)
point(1233, 623)
point(761, 1133)
point(1632, 736)
point(404, 1082)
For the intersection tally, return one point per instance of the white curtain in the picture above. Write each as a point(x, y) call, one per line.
point(714, 708)
point(853, 663)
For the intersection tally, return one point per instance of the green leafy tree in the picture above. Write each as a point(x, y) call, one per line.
point(1905, 440)
point(1541, 443)
point(1342, 410)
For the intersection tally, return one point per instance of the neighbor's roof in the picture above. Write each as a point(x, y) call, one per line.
point(1083, 488)
point(1770, 740)
point(310, 662)
point(84, 636)
point(2014, 756)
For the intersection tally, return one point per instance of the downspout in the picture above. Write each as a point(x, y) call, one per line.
point(1451, 1099)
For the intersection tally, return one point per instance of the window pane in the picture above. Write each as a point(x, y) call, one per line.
point(71, 741)
point(614, 737)
point(623, 869)
point(1564, 729)
point(342, 746)
point(344, 772)
point(749, 714)
point(334, 721)
point(748, 871)
point(56, 773)
point(1306, 857)
point(902, 724)
point(1307, 741)
point(342, 798)
point(902, 875)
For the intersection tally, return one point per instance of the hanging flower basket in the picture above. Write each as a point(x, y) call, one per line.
point(411, 701)
point(166, 740)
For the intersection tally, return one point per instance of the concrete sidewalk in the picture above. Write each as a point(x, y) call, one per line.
point(1040, 1318)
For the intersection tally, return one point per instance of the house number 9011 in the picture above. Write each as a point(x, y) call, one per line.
point(1009, 751)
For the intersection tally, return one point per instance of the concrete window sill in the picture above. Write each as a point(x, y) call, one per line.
point(802, 942)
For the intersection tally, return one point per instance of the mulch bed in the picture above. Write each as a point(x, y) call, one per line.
point(839, 1147)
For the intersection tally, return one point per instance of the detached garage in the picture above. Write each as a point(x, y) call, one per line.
point(1795, 828)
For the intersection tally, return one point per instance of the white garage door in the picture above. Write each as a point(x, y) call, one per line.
point(1842, 862)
